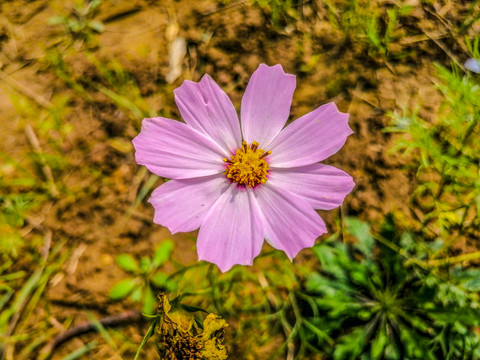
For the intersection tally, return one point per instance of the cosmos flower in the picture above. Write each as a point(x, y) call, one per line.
point(241, 183)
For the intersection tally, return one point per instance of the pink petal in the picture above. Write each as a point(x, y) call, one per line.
point(266, 104)
point(174, 150)
point(181, 205)
point(310, 139)
point(289, 221)
point(232, 231)
point(323, 186)
point(206, 108)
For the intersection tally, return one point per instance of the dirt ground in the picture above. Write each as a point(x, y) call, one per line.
point(228, 41)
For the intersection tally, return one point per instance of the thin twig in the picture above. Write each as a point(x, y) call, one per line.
point(25, 90)
point(128, 317)
point(262, 280)
point(46, 170)
point(227, 7)
point(447, 51)
point(421, 37)
point(36, 275)
point(440, 17)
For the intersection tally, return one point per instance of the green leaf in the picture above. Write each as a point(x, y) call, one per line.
point(473, 284)
point(320, 334)
point(378, 344)
point(159, 280)
point(469, 278)
point(148, 335)
point(101, 330)
point(149, 302)
point(176, 301)
point(361, 231)
point(162, 281)
point(136, 294)
point(94, 4)
point(145, 264)
point(122, 289)
point(96, 26)
point(191, 308)
point(56, 20)
point(128, 263)
point(162, 253)
point(78, 353)
point(333, 260)
point(124, 102)
point(351, 345)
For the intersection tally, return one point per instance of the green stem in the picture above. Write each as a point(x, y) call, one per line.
point(402, 252)
point(455, 259)
point(467, 135)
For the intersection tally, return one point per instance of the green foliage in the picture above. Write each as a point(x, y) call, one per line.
point(368, 22)
point(21, 192)
point(78, 353)
point(22, 293)
point(471, 18)
point(112, 81)
point(279, 12)
point(473, 46)
point(146, 278)
point(445, 154)
point(367, 303)
point(80, 23)
point(256, 296)
point(385, 295)
point(12, 217)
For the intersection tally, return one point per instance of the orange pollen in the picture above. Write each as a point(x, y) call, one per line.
point(248, 165)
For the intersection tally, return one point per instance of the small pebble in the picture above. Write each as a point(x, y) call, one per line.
point(473, 65)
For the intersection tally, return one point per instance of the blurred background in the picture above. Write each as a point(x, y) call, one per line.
point(395, 278)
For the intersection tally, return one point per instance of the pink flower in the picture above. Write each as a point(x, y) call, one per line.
point(243, 183)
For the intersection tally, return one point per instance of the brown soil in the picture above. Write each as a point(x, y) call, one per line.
point(228, 42)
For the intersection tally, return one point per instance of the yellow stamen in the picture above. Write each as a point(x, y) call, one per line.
point(265, 154)
point(247, 166)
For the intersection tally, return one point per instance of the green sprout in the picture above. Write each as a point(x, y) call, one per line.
point(146, 279)
point(279, 12)
point(80, 23)
point(444, 154)
point(376, 298)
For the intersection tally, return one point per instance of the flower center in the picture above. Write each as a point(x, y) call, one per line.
point(248, 165)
